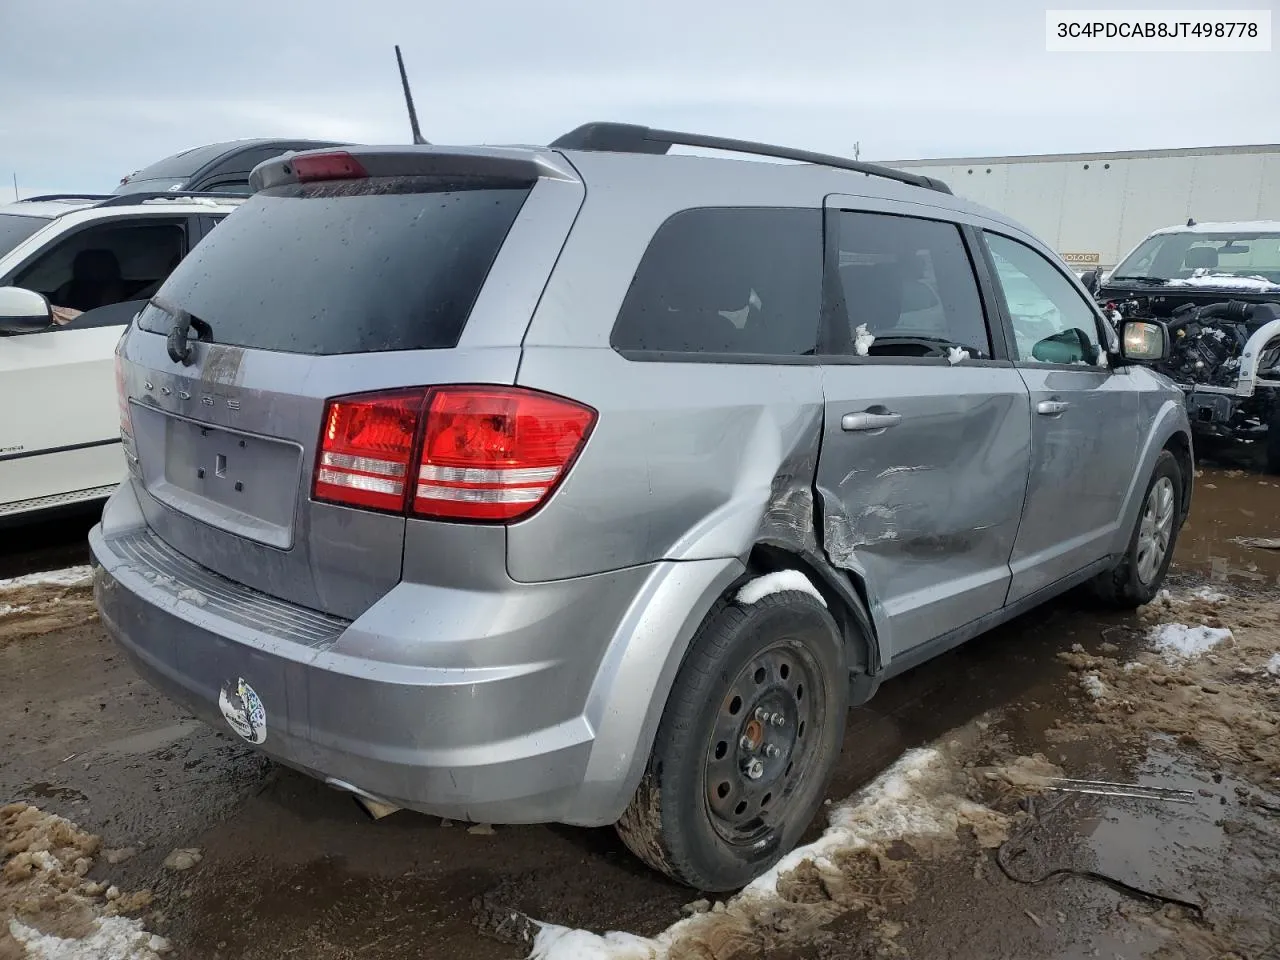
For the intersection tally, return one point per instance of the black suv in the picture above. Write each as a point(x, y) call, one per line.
point(212, 168)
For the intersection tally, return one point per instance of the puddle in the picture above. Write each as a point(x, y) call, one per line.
point(1229, 504)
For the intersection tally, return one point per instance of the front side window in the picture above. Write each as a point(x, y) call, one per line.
point(105, 265)
point(905, 289)
point(1052, 323)
point(727, 280)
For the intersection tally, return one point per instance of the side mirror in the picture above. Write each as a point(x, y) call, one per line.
point(1144, 341)
point(23, 311)
point(1090, 279)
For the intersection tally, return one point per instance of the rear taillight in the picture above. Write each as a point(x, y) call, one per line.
point(366, 449)
point(126, 422)
point(328, 166)
point(495, 454)
point(457, 453)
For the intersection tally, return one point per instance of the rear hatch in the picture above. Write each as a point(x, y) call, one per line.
point(370, 278)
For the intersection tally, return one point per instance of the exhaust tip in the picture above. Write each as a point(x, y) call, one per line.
point(376, 808)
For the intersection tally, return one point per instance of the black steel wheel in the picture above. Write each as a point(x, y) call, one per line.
point(757, 755)
point(751, 731)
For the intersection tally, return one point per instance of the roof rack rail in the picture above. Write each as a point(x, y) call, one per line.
point(66, 196)
point(632, 138)
point(127, 199)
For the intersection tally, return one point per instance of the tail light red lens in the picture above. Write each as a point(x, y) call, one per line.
point(458, 453)
point(495, 454)
point(328, 166)
point(366, 449)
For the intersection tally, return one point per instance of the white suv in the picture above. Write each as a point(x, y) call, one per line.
point(93, 261)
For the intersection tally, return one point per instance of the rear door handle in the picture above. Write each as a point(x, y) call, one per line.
point(869, 421)
point(1051, 408)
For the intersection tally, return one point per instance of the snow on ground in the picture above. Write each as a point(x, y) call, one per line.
point(1273, 665)
point(117, 938)
point(1177, 640)
point(921, 796)
point(780, 582)
point(1228, 282)
point(66, 577)
point(48, 909)
point(1094, 686)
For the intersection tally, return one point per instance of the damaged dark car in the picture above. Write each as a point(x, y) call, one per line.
point(1216, 287)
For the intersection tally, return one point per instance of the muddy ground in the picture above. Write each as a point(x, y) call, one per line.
point(284, 867)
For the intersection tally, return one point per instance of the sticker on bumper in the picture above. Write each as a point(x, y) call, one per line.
point(243, 711)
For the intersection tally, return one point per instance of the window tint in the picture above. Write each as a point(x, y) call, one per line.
point(351, 267)
point(15, 228)
point(104, 265)
point(907, 283)
point(239, 188)
point(1052, 323)
point(727, 280)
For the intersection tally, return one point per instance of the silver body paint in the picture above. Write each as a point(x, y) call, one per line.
point(518, 673)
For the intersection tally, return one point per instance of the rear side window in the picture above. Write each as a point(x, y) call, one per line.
point(905, 288)
point(353, 267)
point(727, 280)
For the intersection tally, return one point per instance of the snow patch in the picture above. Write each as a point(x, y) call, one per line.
point(1273, 665)
point(956, 354)
point(780, 582)
point(562, 943)
point(1178, 641)
point(66, 577)
point(116, 937)
point(6, 609)
point(1094, 686)
point(1224, 281)
point(895, 804)
point(862, 340)
point(1208, 595)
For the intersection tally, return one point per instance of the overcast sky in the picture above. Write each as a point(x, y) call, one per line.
point(91, 90)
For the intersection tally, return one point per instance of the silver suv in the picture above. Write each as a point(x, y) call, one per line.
point(591, 484)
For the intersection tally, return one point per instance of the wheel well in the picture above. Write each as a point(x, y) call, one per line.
point(856, 629)
point(1180, 447)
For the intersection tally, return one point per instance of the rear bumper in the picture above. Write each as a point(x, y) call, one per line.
point(554, 727)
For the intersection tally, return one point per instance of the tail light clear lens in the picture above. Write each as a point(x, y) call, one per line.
point(481, 453)
point(495, 454)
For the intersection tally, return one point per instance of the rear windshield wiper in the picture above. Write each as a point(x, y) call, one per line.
point(178, 344)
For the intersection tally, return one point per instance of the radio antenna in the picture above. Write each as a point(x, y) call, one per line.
point(408, 99)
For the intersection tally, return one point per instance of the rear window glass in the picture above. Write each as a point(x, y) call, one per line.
point(727, 280)
point(184, 164)
point(353, 267)
point(15, 229)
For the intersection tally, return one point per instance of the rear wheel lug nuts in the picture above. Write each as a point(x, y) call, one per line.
point(745, 743)
point(755, 769)
point(762, 714)
point(771, 751)
point(778, 720)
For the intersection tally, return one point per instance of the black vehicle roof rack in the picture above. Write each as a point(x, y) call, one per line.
point(66, 196)
point(126, 199)
point(632, 138)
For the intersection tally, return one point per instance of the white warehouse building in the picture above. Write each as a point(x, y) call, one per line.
point(1093, 208)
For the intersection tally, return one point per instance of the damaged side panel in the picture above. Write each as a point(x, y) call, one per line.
point(926, 510)
point(690, 461)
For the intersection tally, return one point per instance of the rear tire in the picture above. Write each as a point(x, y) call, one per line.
point(749, 737)
point(1137, 578)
